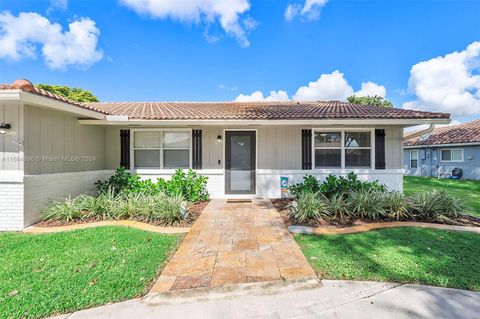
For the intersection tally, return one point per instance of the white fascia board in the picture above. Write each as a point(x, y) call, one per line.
point(35, 99)
point(346, 122)
point(442, 145)
point(116, 118)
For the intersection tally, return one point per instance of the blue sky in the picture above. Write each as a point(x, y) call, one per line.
point(148, 55)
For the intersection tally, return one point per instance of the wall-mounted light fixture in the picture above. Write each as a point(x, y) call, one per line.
point(219, 139)
point(4, 127)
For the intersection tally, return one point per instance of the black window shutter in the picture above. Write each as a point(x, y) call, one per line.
point(306, 149)
point(197, 149)
point(125, 148)
point(380, 149)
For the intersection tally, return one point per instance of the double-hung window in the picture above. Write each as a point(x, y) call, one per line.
point(343, 149)
point(451, 155)
point(358, 149)
point(328, 149)
point(413, 158)
point(161, 149)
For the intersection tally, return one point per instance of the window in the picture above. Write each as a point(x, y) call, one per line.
point(358, 149)
point(161, 149)
point(451, 155)
point(343, 149)
point(413, 158)
point(328, 149)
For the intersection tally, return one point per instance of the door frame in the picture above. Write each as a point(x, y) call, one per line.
point(225, 162)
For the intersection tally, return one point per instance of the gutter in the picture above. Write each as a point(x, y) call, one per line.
point(420, 133)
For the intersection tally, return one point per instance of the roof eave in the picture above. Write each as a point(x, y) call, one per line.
point(43, 101)
point(268, 122)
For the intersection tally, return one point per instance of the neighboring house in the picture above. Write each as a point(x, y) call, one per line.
point(445, 148)
point(52, 148)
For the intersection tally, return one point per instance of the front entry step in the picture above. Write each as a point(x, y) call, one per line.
point(238, 200)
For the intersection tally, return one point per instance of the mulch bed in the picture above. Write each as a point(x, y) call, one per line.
point(194, 210)
point(283, 207)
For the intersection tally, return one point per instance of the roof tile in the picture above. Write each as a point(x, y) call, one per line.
point(461, 133)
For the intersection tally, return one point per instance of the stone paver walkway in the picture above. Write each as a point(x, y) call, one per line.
point(234, 243)
point(372, 226)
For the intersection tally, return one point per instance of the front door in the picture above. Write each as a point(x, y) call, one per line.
point(240, 148)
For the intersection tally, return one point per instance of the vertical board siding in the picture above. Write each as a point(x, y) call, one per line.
point(56, 143)
point(11, 143)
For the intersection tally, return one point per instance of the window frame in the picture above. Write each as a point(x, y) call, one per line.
point(411, 151)
point(451, 155)
point(160, 149)
point(344, 148)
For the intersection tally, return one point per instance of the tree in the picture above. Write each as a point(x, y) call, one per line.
point(74, 94)
point(370, 100)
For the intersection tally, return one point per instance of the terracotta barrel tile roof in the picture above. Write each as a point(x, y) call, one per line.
point(258, 111)
point(462, 133)
point(235, 110)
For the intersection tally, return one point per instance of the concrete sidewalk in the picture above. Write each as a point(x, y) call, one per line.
point(335, 299)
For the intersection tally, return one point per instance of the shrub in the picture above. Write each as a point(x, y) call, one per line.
point(121, 181)
point(396, 206)
point(345, 185)
point(435, 204)
point(169, 210)
point(67, 210)
point(164, 208)
point(310, 184)
point(191, 186)
point(308, 206)
point(366, 203)
point(337, 206)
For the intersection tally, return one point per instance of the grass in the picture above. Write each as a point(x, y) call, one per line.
point(42, 275)
point(405, 255)
point(467, 190)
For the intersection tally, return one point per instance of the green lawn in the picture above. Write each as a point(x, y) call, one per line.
point(42, 275)
point(406, 255)
point(467, 190)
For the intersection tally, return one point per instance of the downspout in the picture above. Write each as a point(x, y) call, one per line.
point(420, 133)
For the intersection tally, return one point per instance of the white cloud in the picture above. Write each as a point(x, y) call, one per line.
point(20, 35)
point(310, 10)
point(449, 83)
point(330, 86)
point(258, 96)
point(58, 4)
point(227, 13)
point(370, 89)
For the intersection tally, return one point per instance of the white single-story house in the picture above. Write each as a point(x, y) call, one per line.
point(52, 147)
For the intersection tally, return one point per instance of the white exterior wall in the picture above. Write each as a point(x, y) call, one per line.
point(11, 200)
point(42, 189)
point(278, 154)
point(27, 184)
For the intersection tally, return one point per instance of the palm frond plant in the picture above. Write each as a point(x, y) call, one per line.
point(396, 206)
point(366, 203)
point(337, 206)
point(308, 206)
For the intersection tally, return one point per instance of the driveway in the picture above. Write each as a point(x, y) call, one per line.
point(335, 299)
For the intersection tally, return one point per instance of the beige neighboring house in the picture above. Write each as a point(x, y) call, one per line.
point(52, 148)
